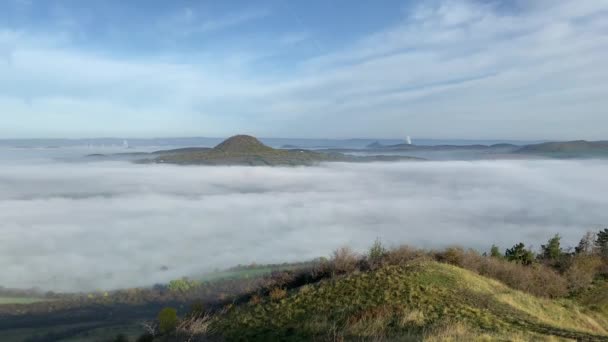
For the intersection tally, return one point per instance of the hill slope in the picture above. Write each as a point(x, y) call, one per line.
point(413, 302)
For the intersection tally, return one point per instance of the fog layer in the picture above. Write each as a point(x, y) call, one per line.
point(108, 225)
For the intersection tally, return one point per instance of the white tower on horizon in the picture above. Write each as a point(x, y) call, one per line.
point(408, 140)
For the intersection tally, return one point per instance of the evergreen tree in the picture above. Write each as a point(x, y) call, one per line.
point(520, 254)
point(601, 242)
point(552, 250)
point(495, 252)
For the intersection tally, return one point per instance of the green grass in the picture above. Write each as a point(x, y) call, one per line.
point(21, 300)
point(595, 298)
point(417, 301)
point(245, 273)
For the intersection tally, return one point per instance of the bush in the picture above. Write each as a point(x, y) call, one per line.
point(182, 285)
point(404, 254)
point(376, 254)
point(344, 261)
point(538, 279)
point(277, 294)
point(451, 255)
point(582, 271)
point(167, 320)
point(255, 300)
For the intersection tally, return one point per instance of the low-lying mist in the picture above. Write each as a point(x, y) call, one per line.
point(77, 226)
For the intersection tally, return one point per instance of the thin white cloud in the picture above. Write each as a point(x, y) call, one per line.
point(189, 21)
point(231, 20)
point(292, 38)
point(452, 68)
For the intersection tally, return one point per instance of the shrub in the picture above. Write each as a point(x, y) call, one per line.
point(255, 300)
point(182, 285)
point(538, 280)
point(451, 255)
point(404, 254)
point(344, 261)
point(582, 271)
point(277, 294)
point(167, 320)
point(376, 254)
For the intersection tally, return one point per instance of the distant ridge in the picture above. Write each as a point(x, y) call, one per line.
point(568, 147)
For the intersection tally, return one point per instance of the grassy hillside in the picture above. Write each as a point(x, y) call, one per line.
point(421, 300)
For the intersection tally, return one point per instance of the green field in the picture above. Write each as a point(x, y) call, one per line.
point(244, 273)
point(21, 300)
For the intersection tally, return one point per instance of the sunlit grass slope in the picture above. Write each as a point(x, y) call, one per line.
point(425, 300)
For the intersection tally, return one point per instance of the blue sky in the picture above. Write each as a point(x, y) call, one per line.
point(513, 69)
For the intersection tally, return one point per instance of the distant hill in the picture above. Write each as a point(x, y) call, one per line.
point(375, 144)
point(247, 150)
point(409, 147)
point(568, 149)
point(243, 144)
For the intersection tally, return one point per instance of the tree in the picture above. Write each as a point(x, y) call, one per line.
point(585, 246)
point(495, 252)
point(552, 250)
point(167, 320)
point(601, 242)
point(520, 254)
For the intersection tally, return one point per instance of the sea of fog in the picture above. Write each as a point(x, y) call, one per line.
point(71, 224)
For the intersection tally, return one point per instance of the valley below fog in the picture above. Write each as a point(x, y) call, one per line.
point(103, 225)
